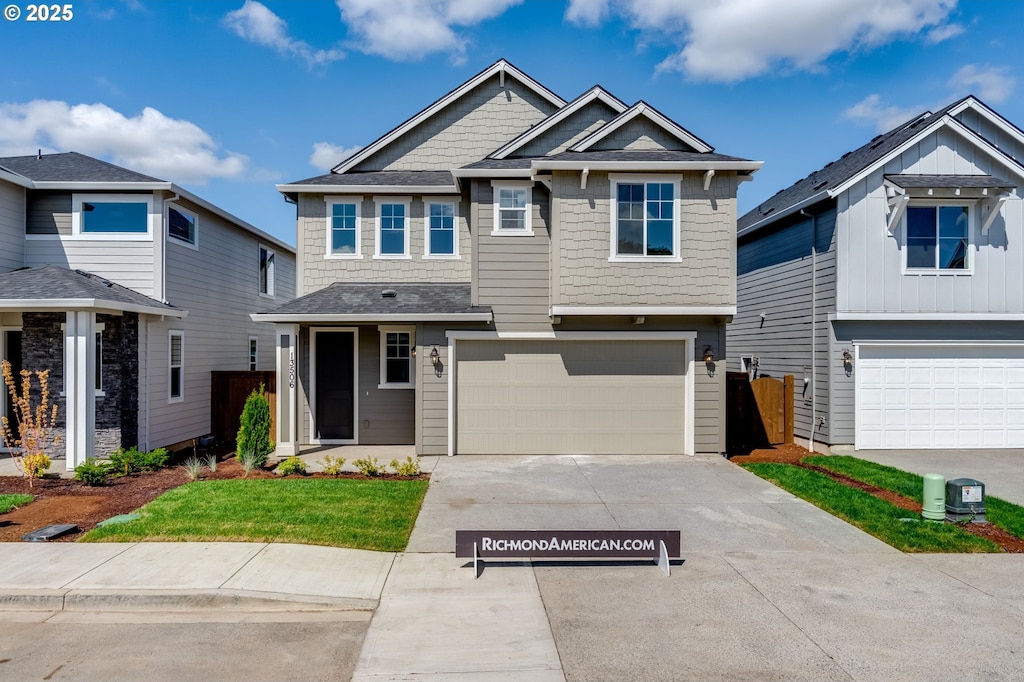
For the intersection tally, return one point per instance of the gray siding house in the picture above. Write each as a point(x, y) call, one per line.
point(508, 272)
point(891, 284)
point(130, 290)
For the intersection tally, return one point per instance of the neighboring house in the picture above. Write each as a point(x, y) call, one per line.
point(130, 290)
point(891, 284)
point(508, 272)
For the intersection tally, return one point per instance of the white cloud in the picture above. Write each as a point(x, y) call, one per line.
point(943, 32)
point(326, 156)
point(150, 143)
point(587, 12)
point(412, 29)
point(730, 40)
point(254, 22)
point(870, 110)
point(992, 84)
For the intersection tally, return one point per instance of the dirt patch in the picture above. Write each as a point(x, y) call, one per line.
point(792, 454)
point(64, 500)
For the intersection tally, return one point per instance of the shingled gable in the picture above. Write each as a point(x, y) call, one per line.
point(836, 177)
point(644, 110)
point(596, 93)
point(501, 68)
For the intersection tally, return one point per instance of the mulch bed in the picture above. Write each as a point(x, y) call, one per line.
point(64, 500)
point(792, 454)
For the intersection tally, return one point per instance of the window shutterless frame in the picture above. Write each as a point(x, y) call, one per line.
point(344, 228)
point(175, 366)
point(392, 222)
point(397, 364)
point(267, 270)
point(441, 227)
point(513, 208)
point(182, 226)
point(939, 237)
point(113, 217)
point(645, 218)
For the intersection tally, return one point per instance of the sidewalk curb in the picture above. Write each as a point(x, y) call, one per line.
point(174, 600)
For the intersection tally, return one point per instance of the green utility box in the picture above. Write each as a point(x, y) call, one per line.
point(965, 500)
point(934, 506)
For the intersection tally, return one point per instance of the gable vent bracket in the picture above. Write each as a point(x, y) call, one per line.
point(898, 206)
point(710, 173)
point(994, 205)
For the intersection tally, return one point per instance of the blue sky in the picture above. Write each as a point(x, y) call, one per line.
point(227, 98)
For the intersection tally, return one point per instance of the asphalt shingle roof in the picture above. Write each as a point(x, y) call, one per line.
point(641, 155)
point(950, 181)
point(376, 178)
point(51, 282)
point(366, 298)
point(70, 167)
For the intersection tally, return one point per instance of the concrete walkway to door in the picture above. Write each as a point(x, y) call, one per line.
point(770, 587)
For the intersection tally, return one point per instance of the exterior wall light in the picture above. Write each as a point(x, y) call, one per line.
point(709, 360)
point(435, 357)
point(847, 362)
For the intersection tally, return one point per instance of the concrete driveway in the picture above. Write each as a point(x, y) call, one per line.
point(771, 588)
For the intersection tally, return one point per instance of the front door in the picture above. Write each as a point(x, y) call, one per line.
point(335, 385)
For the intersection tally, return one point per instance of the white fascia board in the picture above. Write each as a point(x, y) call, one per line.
point(116, 186)
point(595, 93)
point(238, 222)
point(981, 143)
point(925, 317)
point(369, 189)
point(470, 335)
point(86, 304)
point(498, 67)
point(370, 317)
point(992, 116)
point(652, 166)
point(640, 109)
point(970, 343)
point(492, 172)
point(15, 179)
point(645, 310)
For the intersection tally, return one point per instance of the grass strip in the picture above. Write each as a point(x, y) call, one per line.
point(872, 515)
point(1006, 515)
point(360, 514)
point(12, 501)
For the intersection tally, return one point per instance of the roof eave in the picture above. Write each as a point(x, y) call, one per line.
point(492, 172)
point(87, 304)
point(767, 220)
point(368, 189)
point(370, 317)
point(739, 166)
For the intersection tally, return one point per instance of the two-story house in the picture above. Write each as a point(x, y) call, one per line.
point(891, 284)
point(508, 272)
point(130, 290)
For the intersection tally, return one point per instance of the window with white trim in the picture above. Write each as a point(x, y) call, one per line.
point(442, 235)
point(267, 267)
point(392, 228)
point(396, 357)
point(512, 208)
point(938, 237)
point(176, 366)
point(181, 225)
point(343, 228)
point(111, 216)
point(254, 342)
point(645, 219)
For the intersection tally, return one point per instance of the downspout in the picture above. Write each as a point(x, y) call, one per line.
point(814, 325)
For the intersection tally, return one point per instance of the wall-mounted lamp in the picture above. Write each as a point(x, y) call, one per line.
point(413, 351)
point(847, 362)
point(709, 360)
point(435, 357)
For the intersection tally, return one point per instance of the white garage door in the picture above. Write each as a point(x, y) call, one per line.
point(940, 397)
point(570, 397)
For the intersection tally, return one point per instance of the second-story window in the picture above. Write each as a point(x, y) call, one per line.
point(181, 225)
point(442, 236)
point(392, 228)
point(512, 208)
point(343, 229)
point(267, 271)
point(645, 221)
point(938, 237)
point(111, 216)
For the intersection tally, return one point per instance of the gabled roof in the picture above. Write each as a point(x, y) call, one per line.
point(426, 182)
point(51, 287)
point(825, 183)
point(596, 93)
point(500, 68)
point(381, 302)
point(645, 110)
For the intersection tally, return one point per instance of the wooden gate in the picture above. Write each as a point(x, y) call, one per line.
point(759, 413)
point(228, 391)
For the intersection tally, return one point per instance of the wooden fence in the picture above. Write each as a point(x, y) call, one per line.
point(228, 391)
point(759, 413)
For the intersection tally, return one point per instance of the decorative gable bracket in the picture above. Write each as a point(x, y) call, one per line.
point(895, 207)
point(990, 208)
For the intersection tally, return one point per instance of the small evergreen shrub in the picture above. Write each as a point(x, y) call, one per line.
point(154, 459)
point(410, 467)
point(92, 473)
point(292, 465)
point(332, 465)
point(247, 460)
point(193, 466)
point(35, 465)
point(368, 466)
point(254, 428)
point(125, 462)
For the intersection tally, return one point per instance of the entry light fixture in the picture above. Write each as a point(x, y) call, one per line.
point(435, 357)
point(709, 360)
point(847, 362)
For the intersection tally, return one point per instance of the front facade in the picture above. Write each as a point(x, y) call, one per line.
point(892, 283)
point(508, 272)
point(130, 290)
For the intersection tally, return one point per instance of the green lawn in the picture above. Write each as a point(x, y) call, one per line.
point(361, 514)
point(875, 516)
point(9, 502)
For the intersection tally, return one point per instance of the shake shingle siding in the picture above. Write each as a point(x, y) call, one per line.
point(640, 134)
point(563, 135)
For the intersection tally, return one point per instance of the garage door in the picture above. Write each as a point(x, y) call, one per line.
point(570, 397)
point(940, 397)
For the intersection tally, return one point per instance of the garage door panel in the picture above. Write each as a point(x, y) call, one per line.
point(570, 397)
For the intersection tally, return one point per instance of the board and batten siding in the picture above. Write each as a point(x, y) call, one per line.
point(511, 273)
point(582, 233)
point(465, 131)
point(12, 226)
point(218, 285)
point(318, 271)
point(870, 266)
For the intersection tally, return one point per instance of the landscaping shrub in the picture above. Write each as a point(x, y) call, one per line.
point(332, 465)
point(248, 462)
point(292, 465)
point(254, 428)
point(193, 466)
point(92, 473)
point(130, 461)
point(34, 430)
point(410, 467)
point(154, 459)
point(368, 466)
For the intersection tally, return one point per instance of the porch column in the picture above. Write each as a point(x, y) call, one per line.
point(287, 389)
point(79, 386)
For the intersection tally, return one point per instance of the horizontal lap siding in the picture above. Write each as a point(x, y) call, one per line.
point(386, 416)
point(432, 386)
point(12, 227)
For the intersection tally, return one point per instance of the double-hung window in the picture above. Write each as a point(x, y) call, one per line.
point(253, 352)
point(343, 233)
point(397, 346)
point(938, 238)
point(442, 237)
point(645, 218)
point(512, 201)
point(176, 367)
point(393, 228)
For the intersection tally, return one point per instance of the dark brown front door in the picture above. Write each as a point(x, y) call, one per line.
point(12, 353)
point(335, 390)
